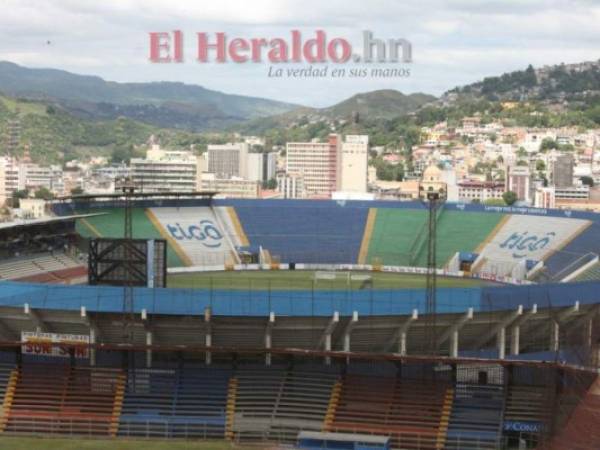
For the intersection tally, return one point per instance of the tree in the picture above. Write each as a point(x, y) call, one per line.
point(270, 184)
point(17, 195)
point(494, 202)
point(43, 193)
point(548, 144)
point(588, 181)
point(509, 197)
point(540, 165)
point(388, 172)
point(122, 153)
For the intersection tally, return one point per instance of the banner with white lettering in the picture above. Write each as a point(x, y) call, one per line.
point(54, 344)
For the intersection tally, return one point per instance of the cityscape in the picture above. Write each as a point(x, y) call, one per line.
point(485, 163)
point(299, 225)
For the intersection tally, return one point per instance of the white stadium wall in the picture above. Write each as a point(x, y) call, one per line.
point(198, 234)
point(525, 237)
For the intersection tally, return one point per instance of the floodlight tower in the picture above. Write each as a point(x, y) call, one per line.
point(433, 194)
point(128, 189)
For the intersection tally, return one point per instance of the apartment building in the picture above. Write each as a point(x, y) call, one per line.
point(228, 160)
point(354, 164)
point(519, 181)
point(290, 185)
point(261, 166)
point(469, 190)
point(232, 187)
point(165, 171)
point(318, 163)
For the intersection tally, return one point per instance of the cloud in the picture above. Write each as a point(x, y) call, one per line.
point(454, 41)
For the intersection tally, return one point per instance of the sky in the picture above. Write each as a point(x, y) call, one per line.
point(454, 42)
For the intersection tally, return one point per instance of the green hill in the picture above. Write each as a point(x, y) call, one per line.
point(385, 103)
point(163, 104)
point(55, 135)
point(558, 84)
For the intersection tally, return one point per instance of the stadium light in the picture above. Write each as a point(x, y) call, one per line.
point(433, 194)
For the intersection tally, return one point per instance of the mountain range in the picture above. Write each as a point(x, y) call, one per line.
point(164, 104)
point(64, 115)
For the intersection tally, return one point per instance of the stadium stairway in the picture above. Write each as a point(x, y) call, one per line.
point(8, 383)
point(302, 404)
point(56, 398)
point(258, 391)
point(476, 418)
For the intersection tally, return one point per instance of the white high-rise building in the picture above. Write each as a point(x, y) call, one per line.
point(290, 185)
point(165, 171)
point(261, 166)
point(3, 196)
point(354, 164)
point(11, 178)
point(519, 181)
point(318, 163)
point(49, 177)
point(228, 160)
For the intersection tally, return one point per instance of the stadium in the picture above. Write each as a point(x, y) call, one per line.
point(302, 324)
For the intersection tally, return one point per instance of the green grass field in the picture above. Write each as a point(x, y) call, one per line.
point(34, 443)
point(301, 280)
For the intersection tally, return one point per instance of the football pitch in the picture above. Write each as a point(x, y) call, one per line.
point(308, 280)
point(35, 443)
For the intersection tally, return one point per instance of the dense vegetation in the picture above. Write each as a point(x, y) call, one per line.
point(163, 104)
point(55, 136)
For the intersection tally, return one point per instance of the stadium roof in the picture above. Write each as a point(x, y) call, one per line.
point(87, 197)
point(43, 221)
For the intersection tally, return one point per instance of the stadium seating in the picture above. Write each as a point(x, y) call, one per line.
point(255, 403)
point(258, 391)
point(393, 235)
point(57, 398)
point(410, 412)
point(26, 267)
point(336, 232)
point(582, 244)
point(181, 403)
point(527, 404)
point(458, 231)
point(476, 418)
point(111, 225)
point(525, 237)
point(305, 233)
point(302, 404)
point(195, 233)
point(591, 274)
point(397, 230)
